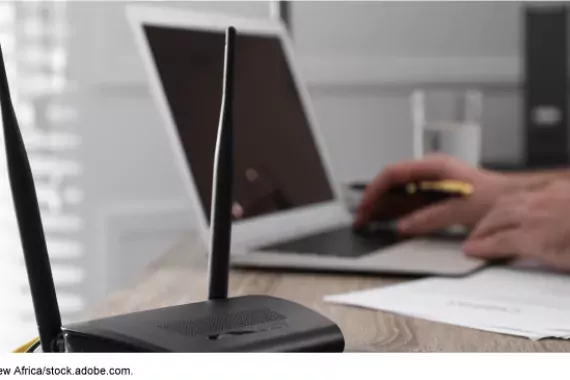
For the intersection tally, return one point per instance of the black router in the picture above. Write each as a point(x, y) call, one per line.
point(253, 323)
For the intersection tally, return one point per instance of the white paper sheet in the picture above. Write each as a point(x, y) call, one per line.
point(529, 302)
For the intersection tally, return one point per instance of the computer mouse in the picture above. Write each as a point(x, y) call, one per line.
point(435, 190)
point(404, 199)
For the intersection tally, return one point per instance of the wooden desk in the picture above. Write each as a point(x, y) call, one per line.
point(180, 277)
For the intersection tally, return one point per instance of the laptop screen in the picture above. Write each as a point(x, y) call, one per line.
point(277, 163)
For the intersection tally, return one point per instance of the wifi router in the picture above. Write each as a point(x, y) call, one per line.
point(254, 323)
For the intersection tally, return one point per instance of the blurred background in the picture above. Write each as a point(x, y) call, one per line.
point(111, 197)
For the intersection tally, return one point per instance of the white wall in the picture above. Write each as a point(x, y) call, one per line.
point(360, 60)
point(408, 29)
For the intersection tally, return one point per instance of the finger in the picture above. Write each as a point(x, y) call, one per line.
point(432, 218)
point(496, 246)
point(393, 175)
point(503, 216)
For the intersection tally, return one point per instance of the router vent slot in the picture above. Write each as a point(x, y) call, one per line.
point(224, 323)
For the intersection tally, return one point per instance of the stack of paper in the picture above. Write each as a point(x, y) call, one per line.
point(519, 301)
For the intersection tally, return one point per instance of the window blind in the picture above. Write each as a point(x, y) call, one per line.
point(34, 40)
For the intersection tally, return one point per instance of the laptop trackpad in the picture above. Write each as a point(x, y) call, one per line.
point(340, 242)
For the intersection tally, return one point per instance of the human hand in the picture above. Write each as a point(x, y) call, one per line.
point(487, 186)
point(532, 224)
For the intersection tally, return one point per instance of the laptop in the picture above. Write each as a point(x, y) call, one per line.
point(288, 210)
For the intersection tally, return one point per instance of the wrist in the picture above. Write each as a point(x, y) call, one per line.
point(533, 180)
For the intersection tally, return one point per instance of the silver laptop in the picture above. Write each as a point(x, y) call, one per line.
point(288, 210)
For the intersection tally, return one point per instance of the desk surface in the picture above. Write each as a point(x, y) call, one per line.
point(180, 277)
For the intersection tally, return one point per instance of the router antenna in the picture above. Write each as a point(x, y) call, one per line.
point(221, 215)
point(28, 215)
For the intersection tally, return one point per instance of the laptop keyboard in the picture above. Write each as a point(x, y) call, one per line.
point(340, 242)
